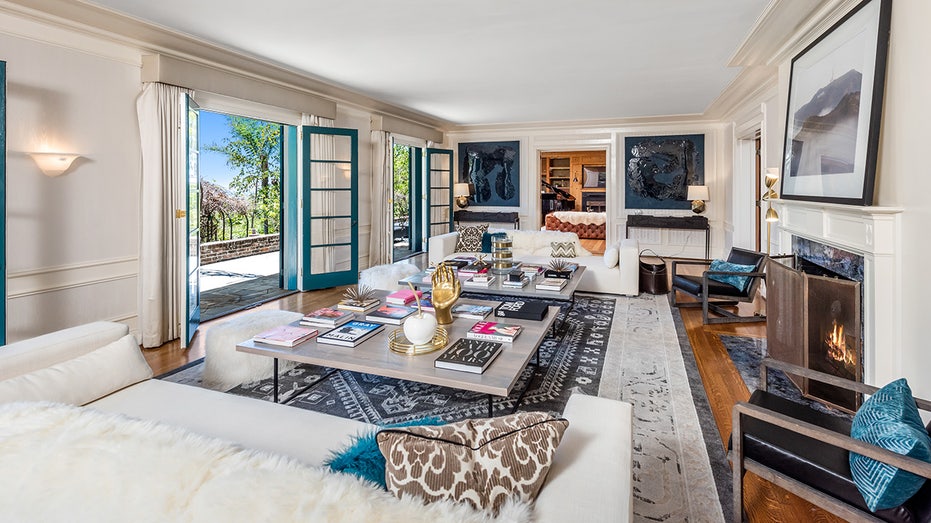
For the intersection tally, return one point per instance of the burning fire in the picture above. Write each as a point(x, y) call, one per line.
point(837, 347)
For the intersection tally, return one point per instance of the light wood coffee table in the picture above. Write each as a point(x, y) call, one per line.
point(374, 357)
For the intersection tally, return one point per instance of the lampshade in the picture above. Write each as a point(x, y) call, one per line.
point(698, 192)
point(53, 164)
point(772, 175)
point(460, 189)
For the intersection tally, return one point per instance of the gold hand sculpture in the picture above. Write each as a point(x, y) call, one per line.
point(446, 289)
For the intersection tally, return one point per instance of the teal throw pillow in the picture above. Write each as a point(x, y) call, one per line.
point(362, 458)
point(488, 237)
point(734, 280)
point(889, 419)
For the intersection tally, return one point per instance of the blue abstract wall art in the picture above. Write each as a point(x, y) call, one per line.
point(493, 169)
point(659, 170)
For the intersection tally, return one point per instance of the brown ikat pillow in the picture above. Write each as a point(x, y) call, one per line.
point(470, 237)
point(483, 462)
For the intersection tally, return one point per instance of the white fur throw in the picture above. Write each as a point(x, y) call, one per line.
point(224, 366)
point(63, 463)
point(385, 277)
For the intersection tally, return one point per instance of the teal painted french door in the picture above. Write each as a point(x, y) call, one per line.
point(2, 202)
point(330, 207)
point(439, 192)
point(191, 111)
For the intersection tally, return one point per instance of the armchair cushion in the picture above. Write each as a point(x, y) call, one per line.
point(739, 282)
point(889, 419)
point(692, 285)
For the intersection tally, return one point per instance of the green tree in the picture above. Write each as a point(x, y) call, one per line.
point(402, 182)
point(254, 148)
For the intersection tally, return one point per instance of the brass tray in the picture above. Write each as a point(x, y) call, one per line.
point(399, 343)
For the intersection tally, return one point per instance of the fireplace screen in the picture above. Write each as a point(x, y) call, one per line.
point(814, 321)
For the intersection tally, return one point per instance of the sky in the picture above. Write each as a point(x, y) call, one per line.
point(213, 129)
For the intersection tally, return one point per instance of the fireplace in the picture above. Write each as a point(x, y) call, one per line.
point(815, 321)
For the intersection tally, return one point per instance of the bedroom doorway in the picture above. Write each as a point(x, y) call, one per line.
point(573, 195)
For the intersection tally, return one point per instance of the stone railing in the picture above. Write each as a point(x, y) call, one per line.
point(230, 249)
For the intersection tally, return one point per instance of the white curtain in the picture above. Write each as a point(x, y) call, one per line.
point(380, 240)
point(323, 148)
point(162, 282)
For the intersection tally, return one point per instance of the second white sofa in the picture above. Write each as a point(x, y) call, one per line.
point(601, 274)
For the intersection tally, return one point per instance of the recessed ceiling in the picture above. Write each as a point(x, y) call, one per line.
point(487, 61)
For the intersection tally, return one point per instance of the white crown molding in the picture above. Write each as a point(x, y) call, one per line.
point(95, 21)
point(751, 86)
point(605, 125)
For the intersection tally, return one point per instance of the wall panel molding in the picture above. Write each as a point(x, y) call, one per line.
point(55, 279)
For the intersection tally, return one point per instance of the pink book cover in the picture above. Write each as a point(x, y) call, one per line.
point(491, 327)
point(403, 296)
point(285, 334)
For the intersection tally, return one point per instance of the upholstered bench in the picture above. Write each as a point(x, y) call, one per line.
point(224, 366)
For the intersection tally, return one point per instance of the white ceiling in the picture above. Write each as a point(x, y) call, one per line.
point(487, 61)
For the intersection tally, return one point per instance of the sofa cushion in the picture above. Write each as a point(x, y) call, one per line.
point(562, 250)
point(83, 379)
point(361, 457)
point(36, 353)
point(470, 237)
point(611, 256)
point(483, 462)
point(889, 419)
point(488, 237)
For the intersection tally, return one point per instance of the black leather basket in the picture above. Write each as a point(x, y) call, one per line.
point(653, 274)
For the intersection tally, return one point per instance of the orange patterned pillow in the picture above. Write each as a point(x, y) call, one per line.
point(483, 462)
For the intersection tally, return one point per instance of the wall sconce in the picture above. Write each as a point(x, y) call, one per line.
point(699, 195)
point(769, 194)
point(54, 164)
point(461, 193)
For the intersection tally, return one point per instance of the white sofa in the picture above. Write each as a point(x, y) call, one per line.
point(99, 365)
point(534, 247)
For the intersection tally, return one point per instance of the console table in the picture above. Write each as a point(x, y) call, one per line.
point(487, 217)
point(693, 223)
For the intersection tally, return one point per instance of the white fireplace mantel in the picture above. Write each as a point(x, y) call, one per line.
point(875, 234)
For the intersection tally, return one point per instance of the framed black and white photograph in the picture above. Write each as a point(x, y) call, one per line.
point(834, 110)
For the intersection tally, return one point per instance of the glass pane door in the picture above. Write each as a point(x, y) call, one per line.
point(330, 207)
point(193, 221)
point(3, 202)
point(439, 191)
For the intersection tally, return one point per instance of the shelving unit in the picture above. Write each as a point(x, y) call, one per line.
point(564, 170)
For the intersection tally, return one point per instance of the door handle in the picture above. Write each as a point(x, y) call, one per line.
point(180, 213)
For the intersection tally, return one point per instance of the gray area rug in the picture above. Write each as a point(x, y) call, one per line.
point(616, 347)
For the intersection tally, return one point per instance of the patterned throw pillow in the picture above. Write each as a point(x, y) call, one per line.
point(739, 282)
point(483, 462)
point(562, 250)
point(470, 237)
point(889, 419)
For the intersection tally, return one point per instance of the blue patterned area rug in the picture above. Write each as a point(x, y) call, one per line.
point(625, 348)
point(747, 353)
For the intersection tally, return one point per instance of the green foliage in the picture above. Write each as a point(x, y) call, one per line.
point(255, 151)
point(402, 182)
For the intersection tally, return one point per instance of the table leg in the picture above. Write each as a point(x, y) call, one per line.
point(275, 371)
point(490, 405)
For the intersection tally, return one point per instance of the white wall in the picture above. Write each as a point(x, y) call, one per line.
point(904, 177)
point(611, 139)
point(72, 241)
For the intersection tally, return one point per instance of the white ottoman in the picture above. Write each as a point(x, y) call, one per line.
point(224, 366)
point(385, 277)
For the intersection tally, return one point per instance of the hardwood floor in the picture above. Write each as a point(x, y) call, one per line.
point(593, 246)
point(763, 501)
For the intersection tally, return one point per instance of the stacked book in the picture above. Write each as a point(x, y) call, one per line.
point(354, 306)
point(403, 297)
point(493, 331)
point(285, 335)
point(565, 273)
point(473, 312)
point(350, 334)
point(328, 317)
point(480, 280)
point(468, 355)
point(393, 314)
point(551, 284)
point(524, 310)
point(515, 279)
point(531, 270)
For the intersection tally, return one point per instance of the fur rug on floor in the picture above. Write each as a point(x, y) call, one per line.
point(63, 463)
